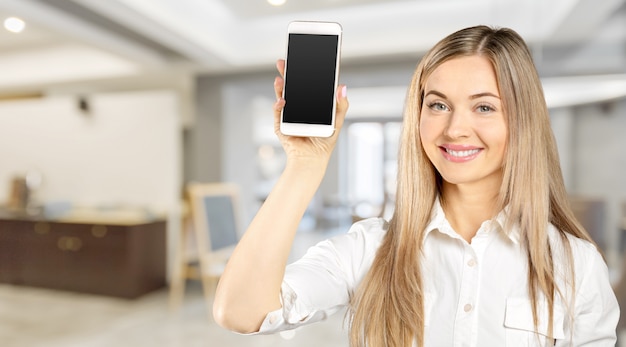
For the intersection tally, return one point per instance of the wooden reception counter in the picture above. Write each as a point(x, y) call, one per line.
point(121, 257)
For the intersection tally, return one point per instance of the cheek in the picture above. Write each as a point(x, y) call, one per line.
point(500, 141)
point(504, 138)
point(423, 135)
point(426, 131)
point(493, 133)
point(428, 136)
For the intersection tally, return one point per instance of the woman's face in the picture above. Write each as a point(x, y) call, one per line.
point(462, 125)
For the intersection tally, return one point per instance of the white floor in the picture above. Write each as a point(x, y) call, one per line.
point(36, 317)
point(32, 317)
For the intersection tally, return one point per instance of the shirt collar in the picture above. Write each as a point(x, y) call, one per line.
point(439, 222)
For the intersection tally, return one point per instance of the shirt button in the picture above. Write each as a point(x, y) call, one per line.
point(471, 263)
point(467, 307)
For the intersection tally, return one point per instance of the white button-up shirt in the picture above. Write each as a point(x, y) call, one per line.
point(476, 294)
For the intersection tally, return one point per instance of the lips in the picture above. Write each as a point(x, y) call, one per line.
point(465, 153)
point(460, 154)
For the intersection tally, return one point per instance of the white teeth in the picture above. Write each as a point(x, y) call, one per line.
point(462, 153)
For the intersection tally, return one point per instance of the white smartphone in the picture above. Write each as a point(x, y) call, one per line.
point(311, 76)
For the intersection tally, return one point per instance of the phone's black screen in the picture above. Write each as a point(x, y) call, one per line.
point(310, 78)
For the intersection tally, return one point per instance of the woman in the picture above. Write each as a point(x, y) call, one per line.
point(483, 248)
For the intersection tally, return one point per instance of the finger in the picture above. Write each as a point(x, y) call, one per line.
point(280, 66)
point(279, 84)
point(342, 106)
point(278, 108)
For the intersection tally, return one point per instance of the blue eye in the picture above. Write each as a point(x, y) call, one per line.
point(485, 108)
point(438, 106)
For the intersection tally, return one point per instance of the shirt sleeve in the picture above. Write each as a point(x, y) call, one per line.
point(596, 308)
point(322, 282)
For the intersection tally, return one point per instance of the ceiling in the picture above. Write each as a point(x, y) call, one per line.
point(69, 41)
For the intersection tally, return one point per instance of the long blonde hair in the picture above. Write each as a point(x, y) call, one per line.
point(387, 308)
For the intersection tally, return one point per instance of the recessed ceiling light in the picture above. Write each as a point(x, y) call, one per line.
point(14, 24)
point(276, 2)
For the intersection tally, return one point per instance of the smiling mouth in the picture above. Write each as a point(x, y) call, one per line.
point(462, 154)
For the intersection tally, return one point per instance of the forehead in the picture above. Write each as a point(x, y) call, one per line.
point(471, 74)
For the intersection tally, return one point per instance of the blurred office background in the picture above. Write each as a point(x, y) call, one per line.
point(109, 109)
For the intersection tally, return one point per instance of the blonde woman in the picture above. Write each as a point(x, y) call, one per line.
point(482, 249)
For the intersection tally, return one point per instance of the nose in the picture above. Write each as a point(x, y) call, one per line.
point(458, 126)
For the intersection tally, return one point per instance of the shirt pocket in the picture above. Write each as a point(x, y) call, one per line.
point(519, 327)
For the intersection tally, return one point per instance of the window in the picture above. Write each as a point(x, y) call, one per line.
point(370, 174)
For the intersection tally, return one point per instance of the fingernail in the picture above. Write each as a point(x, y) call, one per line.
point(344, 91)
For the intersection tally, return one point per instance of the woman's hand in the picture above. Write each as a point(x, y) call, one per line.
point(312, 150)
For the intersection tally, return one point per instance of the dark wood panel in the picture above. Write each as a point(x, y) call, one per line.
point(117, 260)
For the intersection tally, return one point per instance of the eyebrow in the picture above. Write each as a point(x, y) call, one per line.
point(474, 96)
point(480, 95)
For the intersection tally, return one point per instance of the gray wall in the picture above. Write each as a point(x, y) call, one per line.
point(599, 160)
point(592, 149)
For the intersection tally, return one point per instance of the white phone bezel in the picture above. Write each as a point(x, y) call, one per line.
point(314, 28)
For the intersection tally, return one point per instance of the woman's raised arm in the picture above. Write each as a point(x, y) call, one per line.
point(250, 285)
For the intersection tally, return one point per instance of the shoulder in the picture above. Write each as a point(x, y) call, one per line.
point(357, 246)
point(568, 250)
point(580, 248)
point(356, 249)
point(365, 234)
point(370, 226)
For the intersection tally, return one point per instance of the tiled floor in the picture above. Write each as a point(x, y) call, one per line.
point(32, 317)
point(35, 317)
